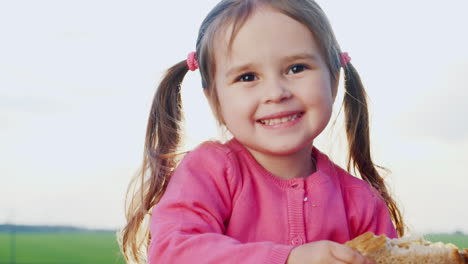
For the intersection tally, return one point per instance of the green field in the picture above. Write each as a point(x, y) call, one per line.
point(62, 248)
point(97, 248)
point(460, 240)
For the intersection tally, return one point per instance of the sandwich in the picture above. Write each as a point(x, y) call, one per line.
point(406, 250)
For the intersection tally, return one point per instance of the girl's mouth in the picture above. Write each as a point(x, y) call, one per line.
point(280, 120)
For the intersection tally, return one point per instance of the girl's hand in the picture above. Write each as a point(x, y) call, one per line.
point(325, 252)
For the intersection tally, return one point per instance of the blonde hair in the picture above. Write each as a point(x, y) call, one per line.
point(163, 134)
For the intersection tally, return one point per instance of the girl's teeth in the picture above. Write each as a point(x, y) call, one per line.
point(271, 122)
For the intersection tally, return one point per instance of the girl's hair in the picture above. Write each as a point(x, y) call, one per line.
point(163, 134)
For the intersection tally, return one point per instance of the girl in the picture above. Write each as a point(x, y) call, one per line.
point(270, 71)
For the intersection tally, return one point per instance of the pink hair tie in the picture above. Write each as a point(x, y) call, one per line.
point(192, 61)
point(344, 59)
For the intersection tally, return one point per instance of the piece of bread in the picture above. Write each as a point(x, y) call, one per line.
point(406, 250)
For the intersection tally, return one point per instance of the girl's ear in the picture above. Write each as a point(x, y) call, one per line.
point(214, 105)
point(334, 84)
point(209, 98)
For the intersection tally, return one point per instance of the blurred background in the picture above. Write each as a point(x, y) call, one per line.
point(77, 79)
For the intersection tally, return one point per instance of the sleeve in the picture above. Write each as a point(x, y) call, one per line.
point(370, 212)
point(188, 224)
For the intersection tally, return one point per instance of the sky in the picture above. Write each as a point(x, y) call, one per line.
point(77, 79)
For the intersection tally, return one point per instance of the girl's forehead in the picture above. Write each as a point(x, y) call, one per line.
point(225, 28)
point(264, 28)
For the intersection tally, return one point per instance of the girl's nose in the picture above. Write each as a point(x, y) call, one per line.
point(277, 91)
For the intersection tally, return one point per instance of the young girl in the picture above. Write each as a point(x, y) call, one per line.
point(270, 71)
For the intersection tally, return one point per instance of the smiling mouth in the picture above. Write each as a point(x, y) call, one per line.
point(277, 121)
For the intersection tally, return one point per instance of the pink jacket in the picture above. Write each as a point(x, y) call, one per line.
point(221, 206)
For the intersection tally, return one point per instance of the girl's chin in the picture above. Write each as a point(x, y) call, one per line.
point(287, 150)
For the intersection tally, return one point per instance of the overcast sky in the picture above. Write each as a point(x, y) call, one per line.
point(77, 79)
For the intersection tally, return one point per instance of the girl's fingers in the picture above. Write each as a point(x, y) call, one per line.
point(347, 255)
point(339, 262)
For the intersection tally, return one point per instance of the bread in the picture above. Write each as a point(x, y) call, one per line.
point(406, 250)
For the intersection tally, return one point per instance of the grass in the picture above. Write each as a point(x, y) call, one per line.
point(460, 240)
point(62, 248)
point(101, 247)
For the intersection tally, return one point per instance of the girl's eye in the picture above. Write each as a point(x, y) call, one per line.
point(297, 69)
point(248, 77)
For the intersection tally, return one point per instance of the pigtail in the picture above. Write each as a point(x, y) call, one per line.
point(163, 137)
point(357, 131)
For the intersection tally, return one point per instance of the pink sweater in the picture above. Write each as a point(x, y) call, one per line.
point(221, 206)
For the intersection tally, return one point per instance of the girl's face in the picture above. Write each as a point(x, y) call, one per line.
point(273, 86)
